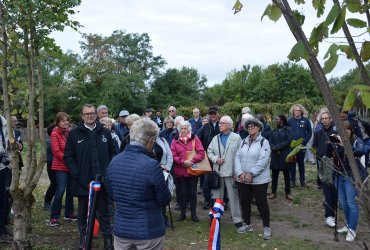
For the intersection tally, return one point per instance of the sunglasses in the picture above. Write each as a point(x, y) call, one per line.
point(212, 113)
point(171, 110)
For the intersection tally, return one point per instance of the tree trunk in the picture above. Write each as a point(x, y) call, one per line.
point(325, 91)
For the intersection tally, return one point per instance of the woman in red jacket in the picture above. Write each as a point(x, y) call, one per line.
point(187, 185)
point(58, 140)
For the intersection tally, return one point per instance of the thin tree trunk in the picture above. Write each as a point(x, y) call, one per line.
point(325, 91)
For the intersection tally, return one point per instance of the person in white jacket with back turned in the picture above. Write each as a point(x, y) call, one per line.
point(253, 174)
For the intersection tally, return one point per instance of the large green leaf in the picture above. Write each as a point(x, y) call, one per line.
point(296, 143)
point(339, 21)
point(365, 97)
point(332, 60)
point(350, 100)
point(346, 49)
point(365, 51)
point(273, 12)
point(298, 52)
point(319, 6)
point(357, 23)
point(353, 5)
point(361, 87)
point(333, 14)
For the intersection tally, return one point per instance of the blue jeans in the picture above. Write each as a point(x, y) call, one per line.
point(3, 200)
point(63, 184)
point(347, 197)
point(301, 169)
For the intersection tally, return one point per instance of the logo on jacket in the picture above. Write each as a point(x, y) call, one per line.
point(79, 141)
point(103, 139)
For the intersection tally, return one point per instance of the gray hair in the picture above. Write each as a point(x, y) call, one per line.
point(100, 107)
point(178, 119)
point(246, 110)
point(184, 123)
point(253, 121)
point(143, 130)
point(245, 117)
point(300, 106)
point(323, 111)
point(228, 120)
point(168, 119)
point(130, 119)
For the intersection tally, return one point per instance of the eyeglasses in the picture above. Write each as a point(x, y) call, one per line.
point(251, 127)
point(297, 110)
point(89, 114)
point(171, 110)
point(212, 113)
point(325, 118)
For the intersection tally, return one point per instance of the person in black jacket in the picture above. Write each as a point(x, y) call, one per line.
point(206, 135)
point(280, 139)
point(88, 152)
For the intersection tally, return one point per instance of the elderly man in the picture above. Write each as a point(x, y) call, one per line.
point(221, 153)
point(172, 112)
point(88, 152)
point(121, 127)
point(102, 111)
point(148, 112)
point(196, 122)
point(139, 222)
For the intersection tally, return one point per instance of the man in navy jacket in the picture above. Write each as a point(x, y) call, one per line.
point(88, 152)
point(136, 184)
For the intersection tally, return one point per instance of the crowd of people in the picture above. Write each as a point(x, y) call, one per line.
point(144, 161)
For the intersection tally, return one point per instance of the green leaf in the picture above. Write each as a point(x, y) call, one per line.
point(333, 14)
point(319, 6)
point(300, 17)
point(361, 87)
point(237, 6)
point(299, 1)
point(347, 49)
point(298, 52)
point(365, 51)
point(339, 21)
point(292, 153)
point(266, 12)
point(318, 34)
point(365, 97)
point(296, 143)
point(357, 23)
point(333, 58)
point(273, 12)
point(350, 100)
point(354, 5)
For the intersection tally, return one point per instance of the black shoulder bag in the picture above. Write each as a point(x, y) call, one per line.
point(214, 179)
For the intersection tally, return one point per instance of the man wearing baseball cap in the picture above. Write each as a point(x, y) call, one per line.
point(121, 127)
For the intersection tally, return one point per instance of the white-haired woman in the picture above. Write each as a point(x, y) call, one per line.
point(129, 121)
point(107, 123)
point(183, 142)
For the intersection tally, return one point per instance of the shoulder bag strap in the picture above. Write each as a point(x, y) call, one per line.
point(219, 148)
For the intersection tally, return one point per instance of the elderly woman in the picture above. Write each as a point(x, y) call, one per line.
point(136, 184)
point(168, 131)
point(129, 121)
point(253, 175)
point(184, 142)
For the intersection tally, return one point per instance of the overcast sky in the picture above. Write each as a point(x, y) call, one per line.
point(204, 34)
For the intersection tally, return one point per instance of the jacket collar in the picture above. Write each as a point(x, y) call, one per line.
point(138, 149)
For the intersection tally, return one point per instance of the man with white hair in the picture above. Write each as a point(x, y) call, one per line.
point(239, 123)
point(222, 152)
point(102, 111)
point(172, 112)
point(196, 122)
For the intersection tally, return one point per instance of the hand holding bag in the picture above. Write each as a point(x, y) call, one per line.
point(200, 168)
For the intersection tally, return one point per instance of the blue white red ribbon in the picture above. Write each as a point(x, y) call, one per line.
point(94, 186)
point(215, 214)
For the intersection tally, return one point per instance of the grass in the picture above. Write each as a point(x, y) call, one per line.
point(190, 235)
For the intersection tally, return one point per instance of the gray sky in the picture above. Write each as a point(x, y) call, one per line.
point(204, 34)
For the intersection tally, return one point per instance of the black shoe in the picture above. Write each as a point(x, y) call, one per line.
point(206, 205)
point(226, 206)
point(108, 243)
point(181, 217)
point(194, 218)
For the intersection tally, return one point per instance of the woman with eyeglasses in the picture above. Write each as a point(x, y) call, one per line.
point(187, 185)
point(253, 175)
point(168, 130)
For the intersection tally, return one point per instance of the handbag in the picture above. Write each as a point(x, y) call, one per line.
point(200, 168)
point(326, 171)
point(214, 179)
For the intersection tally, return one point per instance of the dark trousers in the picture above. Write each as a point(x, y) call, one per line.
point(102, 210)
point(330, 195)
point(275, 179)
point(206, 189)
point(4, 195)
point(246, 193)
point(64, 184)
point(301, 168)
point(318, 181)
point(188, 192)
point(50, 192)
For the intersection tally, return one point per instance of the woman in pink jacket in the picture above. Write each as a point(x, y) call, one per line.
point(187, 185)
point(58, 140)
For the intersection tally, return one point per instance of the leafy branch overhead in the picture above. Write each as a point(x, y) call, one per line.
point(335, 20)
point(357, 92)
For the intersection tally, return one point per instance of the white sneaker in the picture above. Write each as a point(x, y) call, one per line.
point(330, 221)
point(351, 235)
point(343, 230)
point(266, 233)
point(245, 228)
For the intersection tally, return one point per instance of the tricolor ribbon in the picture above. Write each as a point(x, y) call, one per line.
point(94, 186)
point(215, 213)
